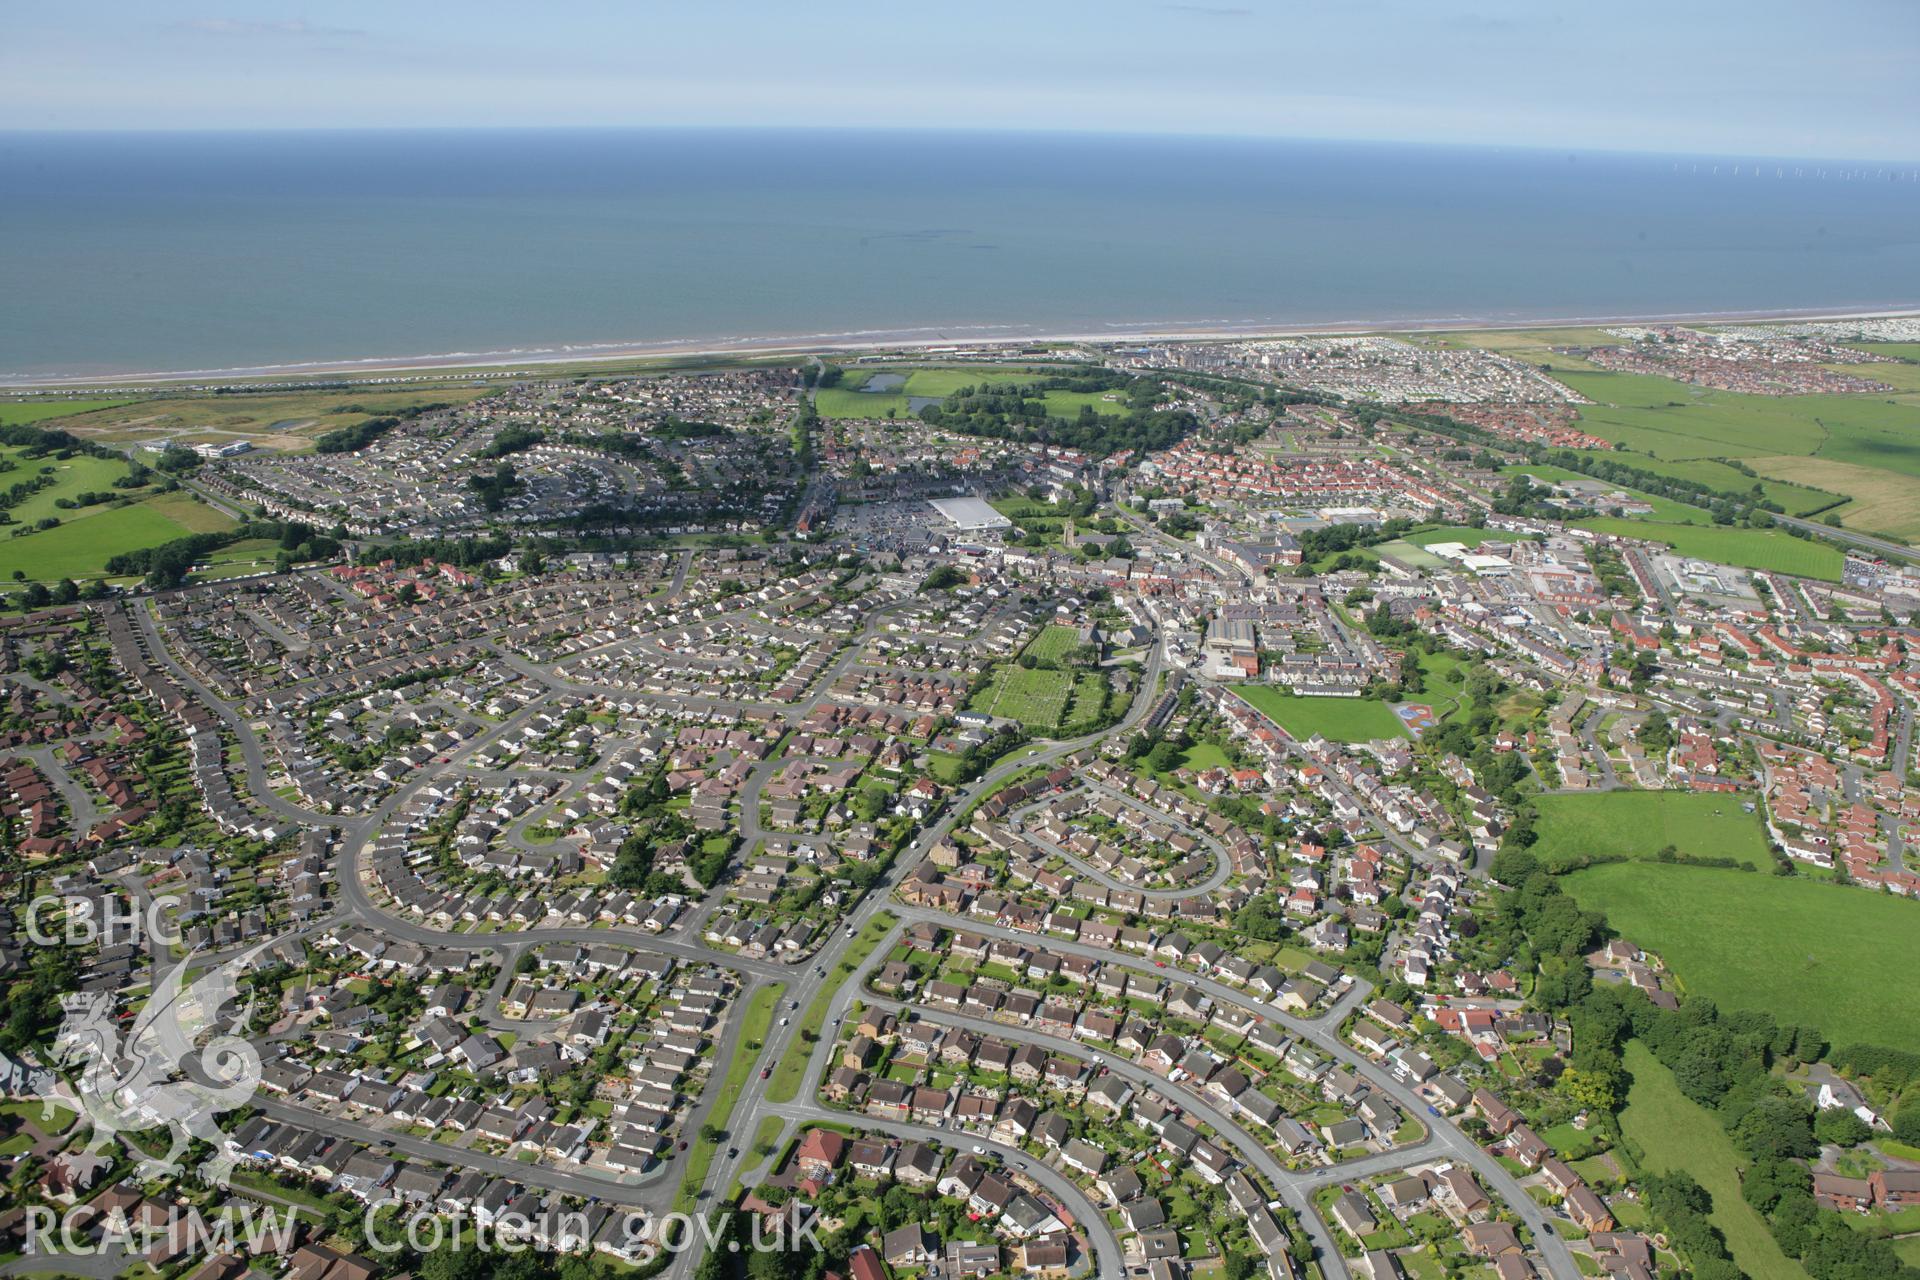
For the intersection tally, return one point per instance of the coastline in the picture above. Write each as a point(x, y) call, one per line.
point(549, 359)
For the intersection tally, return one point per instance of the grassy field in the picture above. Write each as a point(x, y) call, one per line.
point(1886, 502)
point(1445, 686)
point(944, 382)
point(76, 474)
point(1687, 431)
point(1676, 1133)
point(1830, 956)
point(271, 420)
point(1768, 549)
point(1037, 699)
point(1053, 642)
point(80, 547)
point(1665, 510)
point(1638, 824)
point(26, 412)
point(1335, 719)
point(1067, 404)
point(839, 402)
point(1898, 350)
point(1461, 533)
point(1904, 378)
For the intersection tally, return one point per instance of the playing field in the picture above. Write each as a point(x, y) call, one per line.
point(1674, 1132)
point(1831, 956)
point(1638, 824)
point(1335, 719)
point(1768, 549)
point(839, 402)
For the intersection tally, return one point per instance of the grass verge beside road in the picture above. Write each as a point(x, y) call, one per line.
point(753, 1033)
point(791, 1073)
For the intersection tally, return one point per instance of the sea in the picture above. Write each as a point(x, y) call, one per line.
point(140, 253)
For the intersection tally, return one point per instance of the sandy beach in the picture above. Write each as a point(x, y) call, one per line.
point(534, 360)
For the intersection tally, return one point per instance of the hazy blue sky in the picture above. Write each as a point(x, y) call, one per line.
point(1772, 77)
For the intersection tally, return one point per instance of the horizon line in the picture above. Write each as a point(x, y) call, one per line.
point(134, 130)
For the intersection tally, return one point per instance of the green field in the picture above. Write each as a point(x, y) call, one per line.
point(1665, 510)
point(1461, 533)
point(839, 402)
point(1768, 549)
point(1067, 404)
point(1674, 1132)
point(1037, 699)
point(80, 546)
point(1898, 350)
point(847, 400)
point(22, 412)
point(1445, 687)
point(1638, 824)
point(1691, 432)
point(274, 420)
point(944, 382)
point(77, 474)
point(1335, 719)
point(1053, 642)
point(1831, 956)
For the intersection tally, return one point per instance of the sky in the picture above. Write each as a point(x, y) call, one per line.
point(1735, 77)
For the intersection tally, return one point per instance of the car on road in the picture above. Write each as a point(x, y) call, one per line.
point(683, 1144)
point(765, 1072)
point(979, 1150)
point(784, 1021)
point(733, 1153)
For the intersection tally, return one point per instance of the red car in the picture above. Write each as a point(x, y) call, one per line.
point(765, 1072)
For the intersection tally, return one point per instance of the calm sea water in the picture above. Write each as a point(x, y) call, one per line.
point(124, 253)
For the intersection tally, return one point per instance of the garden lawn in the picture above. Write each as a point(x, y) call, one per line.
point(1335, 719)
point(1674, 1132)
point(1638, 824)
point(1830, 956)
point(1767, 549)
